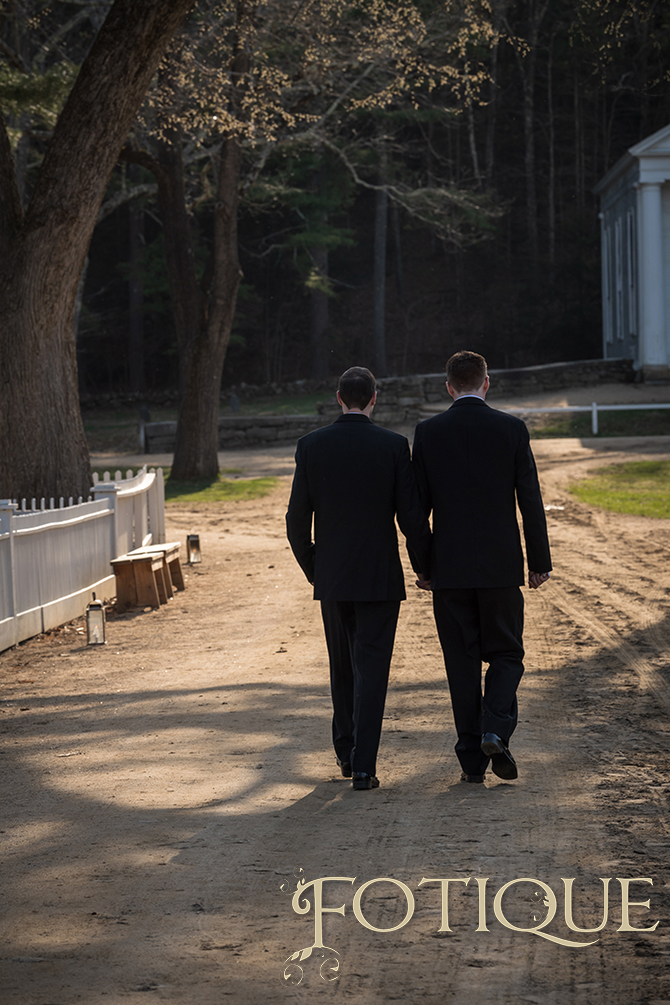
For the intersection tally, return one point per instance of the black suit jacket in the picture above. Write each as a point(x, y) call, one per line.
point(355, 477)
point(473, 464)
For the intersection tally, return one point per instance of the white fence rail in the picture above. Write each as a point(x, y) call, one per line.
point(53, 558)
point(593, 408)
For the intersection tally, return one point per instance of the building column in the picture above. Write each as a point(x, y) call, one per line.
point(653, 351)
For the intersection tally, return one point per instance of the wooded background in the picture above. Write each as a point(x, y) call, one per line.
point(310, 183)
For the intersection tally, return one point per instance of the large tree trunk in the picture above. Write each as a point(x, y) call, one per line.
point(43, 450)
point(136, 377)
point(319, 317)
point(196, 450)
point(379, 272)
point(203, 311)
point(527, 62)
point(551, 193)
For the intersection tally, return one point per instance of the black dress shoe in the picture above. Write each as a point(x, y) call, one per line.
point(471, 778)
point(502, 763)
point(362, 780)
point(345, 767)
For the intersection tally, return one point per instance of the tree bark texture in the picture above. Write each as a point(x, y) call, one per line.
point(527, 67)
point(204, 352)
point(136, 378)
point(44, 451)
point(379, 273)
point(203, 310)
point(196, 449)
point(551, 193)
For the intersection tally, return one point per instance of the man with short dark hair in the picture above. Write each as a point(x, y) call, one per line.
point(354, 478)
point(474, 464)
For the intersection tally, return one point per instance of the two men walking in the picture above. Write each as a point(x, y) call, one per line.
point(472, 464)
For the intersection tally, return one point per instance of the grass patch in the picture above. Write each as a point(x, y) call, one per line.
point(631, 422)
point(116, 430)
point(222, 489)
point(297, 404)
point(638, 487)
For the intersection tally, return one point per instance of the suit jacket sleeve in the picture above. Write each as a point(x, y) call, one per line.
point(420, 471)
point(299, 517)
point(530, 502)
point(412, 520)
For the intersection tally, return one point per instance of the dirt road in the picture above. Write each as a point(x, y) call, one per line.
point(157, 791)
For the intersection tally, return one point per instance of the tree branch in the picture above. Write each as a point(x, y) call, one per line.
point(143, 158)
point(428, 204)
point(16, 60)
point(253, 174)
point(340, 98)
point(107, 208)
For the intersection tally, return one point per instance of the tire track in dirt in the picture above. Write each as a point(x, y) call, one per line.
point(618, 646)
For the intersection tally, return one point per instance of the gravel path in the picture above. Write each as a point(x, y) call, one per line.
point(157, 791)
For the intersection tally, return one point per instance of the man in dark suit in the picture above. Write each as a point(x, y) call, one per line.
point(473, 465)
point(354, 478)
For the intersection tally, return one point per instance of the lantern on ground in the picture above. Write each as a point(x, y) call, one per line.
point(95, 623)
point(193, 549)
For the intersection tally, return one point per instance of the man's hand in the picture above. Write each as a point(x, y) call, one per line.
point(536, 579)
point(422, 582)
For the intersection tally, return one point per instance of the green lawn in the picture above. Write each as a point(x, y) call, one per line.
point(221, 490)
point(632, 422)
point(638, 487)
point(299, 404)
point(116, 429)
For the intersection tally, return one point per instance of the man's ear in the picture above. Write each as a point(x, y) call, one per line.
point(452, 390)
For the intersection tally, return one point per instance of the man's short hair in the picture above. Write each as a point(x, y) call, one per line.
point(466, 371)
point(357, 386)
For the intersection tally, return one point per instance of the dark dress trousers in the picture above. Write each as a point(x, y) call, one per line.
point(474, 465)
point(354, 478)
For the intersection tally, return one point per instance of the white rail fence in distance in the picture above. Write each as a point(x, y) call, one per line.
point(593, 408)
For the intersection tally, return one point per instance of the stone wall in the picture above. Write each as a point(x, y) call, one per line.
point(169, 398)
point(239, 431)
point(399, 399)
point(399, 402)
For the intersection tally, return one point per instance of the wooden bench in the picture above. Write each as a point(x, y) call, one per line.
point(145, 576)
point(170, 552)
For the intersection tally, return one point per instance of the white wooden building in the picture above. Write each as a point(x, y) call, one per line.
point(635, 240)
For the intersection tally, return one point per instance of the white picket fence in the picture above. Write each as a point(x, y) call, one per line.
point(53, 557)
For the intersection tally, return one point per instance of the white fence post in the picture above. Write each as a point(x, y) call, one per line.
point(7, 579)
point(156, 497)
point(594, 418)
point(139, 508)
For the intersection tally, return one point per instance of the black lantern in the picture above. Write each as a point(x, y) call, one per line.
point(95, 623)
point(193, 549)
